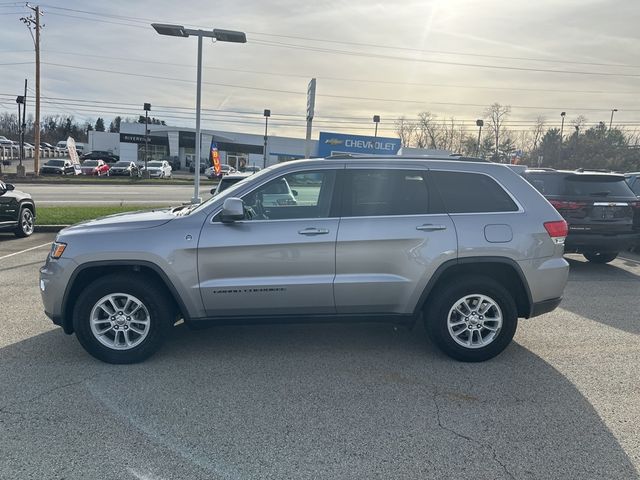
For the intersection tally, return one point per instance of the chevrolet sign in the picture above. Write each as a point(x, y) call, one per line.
point(356, 144)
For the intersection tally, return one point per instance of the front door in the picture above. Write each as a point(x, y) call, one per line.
point(279, 260)
point(8, 207)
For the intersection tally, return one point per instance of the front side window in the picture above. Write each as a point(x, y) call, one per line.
point(464, 192)
point(292, 196)
point(385, 192)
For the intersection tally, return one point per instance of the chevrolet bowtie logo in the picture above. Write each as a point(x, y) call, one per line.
point(333, 141)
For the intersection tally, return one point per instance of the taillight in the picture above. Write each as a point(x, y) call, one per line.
point(563, 205)
point(557, 230)
point(635, 205)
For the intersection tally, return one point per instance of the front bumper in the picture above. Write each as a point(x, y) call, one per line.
point(53, 281)
point(596, 242)
point(544, 306)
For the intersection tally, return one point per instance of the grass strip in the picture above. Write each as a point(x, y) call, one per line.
point(68, 215)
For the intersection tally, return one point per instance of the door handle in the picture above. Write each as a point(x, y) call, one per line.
point(313, 231)
point(429, 227)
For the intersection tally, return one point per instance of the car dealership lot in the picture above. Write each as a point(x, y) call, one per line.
point(325, 401)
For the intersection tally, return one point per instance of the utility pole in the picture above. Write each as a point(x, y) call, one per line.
point(34, 22)
point(611, 121)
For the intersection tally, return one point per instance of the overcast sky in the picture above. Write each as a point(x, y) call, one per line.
point(387, 58)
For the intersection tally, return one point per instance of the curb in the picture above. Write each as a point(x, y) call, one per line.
point(48, 228)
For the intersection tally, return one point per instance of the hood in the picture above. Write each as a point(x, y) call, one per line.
point(124, 221)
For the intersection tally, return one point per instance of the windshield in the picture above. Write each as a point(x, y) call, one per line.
point(121, 164)
point(154, 164)
point(56, 163)
point(90, 163)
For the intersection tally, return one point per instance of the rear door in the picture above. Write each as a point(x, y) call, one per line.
point(391, 239)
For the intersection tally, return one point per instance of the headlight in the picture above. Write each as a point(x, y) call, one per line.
point(57, 249)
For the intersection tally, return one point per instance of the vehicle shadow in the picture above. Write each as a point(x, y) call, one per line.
point(298, 401)
point(605, 293)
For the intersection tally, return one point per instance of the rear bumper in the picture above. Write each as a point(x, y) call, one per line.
point(594, 242)
point(545, 306)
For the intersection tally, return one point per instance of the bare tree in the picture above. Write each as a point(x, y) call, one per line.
point(497, 115)
point(428, 130)
point(538, 131)
point(405, 130)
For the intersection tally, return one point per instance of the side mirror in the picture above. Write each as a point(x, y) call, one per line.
point(213, 191)
point(9, 187)
point(232, 210)
point(295, 193)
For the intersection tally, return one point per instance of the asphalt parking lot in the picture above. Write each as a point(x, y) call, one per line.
point(325, 401)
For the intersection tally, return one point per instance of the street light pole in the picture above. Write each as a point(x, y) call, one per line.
point(376, 120)
point(267, 114)
point(612, 112)
point(147, 107)
point(479, 123)
point(562, 114)
point(220, 36)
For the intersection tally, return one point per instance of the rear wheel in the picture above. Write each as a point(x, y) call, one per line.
point(26, 222)
point(122, 318)
point(600, 257)
point(471, 319)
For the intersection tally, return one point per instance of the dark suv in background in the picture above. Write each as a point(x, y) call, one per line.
point(602, 212)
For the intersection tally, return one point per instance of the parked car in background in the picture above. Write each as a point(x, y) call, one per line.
point(57, 166)
point(224, 170)
point(602, 212)
point(105, 156)
point(17, 211)
point(62, 146)
point(48, 148)
point(633, 180)
point(203, 166)
point(159, 169)
point(250, 169)
point(124, 168)
point(227, 181)
point(94, 167)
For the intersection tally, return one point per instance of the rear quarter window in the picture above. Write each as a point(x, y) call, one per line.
point(465, 192)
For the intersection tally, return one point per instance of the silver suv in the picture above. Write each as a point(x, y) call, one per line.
point(468, 246)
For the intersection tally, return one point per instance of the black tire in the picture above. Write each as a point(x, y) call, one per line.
point(154, 298)
point(26, 222)
point(444, 298)
point(600, 257)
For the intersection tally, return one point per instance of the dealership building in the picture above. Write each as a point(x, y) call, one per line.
point(236, 149)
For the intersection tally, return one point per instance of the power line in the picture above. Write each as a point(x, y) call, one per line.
point(342, 79)
point(144, 22)
point(343, 97)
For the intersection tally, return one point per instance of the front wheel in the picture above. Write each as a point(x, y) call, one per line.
point(600, 257)
point(122, 318)
point(26, 222)
point(471, 319)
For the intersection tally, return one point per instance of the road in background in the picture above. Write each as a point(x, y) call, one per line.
point(96, 194)
point(325, 401)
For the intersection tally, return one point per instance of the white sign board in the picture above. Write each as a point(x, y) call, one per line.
point(73, 155)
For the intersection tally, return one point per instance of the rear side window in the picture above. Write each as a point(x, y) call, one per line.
point(385, 192)
point(636, 186)
point(464, 192)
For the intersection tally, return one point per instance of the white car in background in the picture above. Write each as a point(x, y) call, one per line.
point(159, 169)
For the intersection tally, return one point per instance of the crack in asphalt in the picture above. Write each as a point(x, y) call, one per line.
point(5, 408)
point(460, 435)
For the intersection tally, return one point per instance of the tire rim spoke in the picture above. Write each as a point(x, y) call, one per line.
point(474, 321)
point(113, 324)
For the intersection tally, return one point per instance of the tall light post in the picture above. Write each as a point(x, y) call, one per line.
point(479, 124)
point(376, 120)
point(21, 121)
point(562, 115)
point(267, 114)
point(613, 110)
point(147, 108)
point(220, 36)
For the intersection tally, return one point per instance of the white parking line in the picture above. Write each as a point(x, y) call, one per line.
point(27, 250)
point(630, 260)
